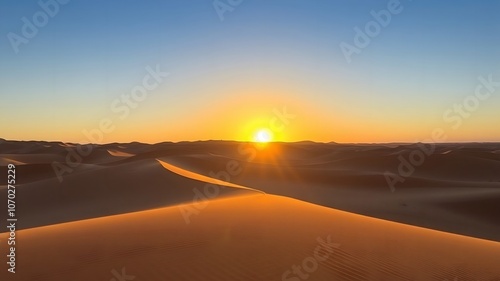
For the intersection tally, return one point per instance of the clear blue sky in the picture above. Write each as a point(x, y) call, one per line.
point(262, 55)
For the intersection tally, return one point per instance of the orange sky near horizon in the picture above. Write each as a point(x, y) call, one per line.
point(239, 118)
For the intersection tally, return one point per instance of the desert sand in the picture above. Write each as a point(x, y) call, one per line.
point(220, 210)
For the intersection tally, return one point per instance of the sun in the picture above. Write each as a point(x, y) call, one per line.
point(263, 136)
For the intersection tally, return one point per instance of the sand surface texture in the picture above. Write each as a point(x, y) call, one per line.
point(230, 211)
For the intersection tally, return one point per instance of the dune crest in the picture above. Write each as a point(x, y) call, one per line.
point(118, 153)
point(253, 238)
point(202, 178)
point(128, 213)
point(6, 161)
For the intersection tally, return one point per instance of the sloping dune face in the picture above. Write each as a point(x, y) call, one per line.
point(7, 161)
point(118, 153)
point(108, 221)
point(202, 178)
point(456, 188)
point(458, 191)
point(259, 237)
point(98, 185)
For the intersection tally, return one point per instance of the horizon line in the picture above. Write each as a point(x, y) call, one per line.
point(271, 142)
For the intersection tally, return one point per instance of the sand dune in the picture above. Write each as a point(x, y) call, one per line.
point(202, 178)
point(145, 208)
point(257, 237)
point(6, 161)
point(119, 153)
point(442, 194)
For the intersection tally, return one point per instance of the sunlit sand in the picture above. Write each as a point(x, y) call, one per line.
point(265, 222)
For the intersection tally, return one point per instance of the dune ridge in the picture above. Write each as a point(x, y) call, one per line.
point(232, 239)
point(125, 213)
point(118, 153)
point(445, 193)
point(202, 178)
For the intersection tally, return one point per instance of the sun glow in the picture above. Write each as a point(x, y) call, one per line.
point(263, 136)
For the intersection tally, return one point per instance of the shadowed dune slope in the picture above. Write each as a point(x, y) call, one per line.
point(107, 220)
point(456, 189)
point(257, 237)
